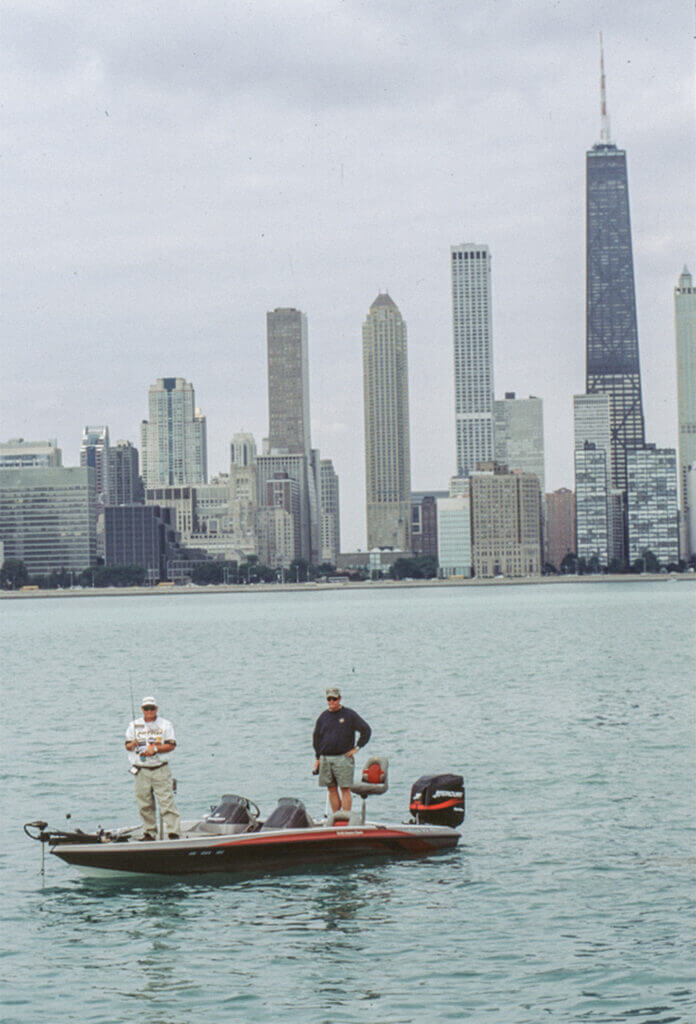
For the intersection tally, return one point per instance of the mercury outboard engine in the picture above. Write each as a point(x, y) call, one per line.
point(438, 800)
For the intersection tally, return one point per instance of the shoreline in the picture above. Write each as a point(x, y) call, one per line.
point(312, 587)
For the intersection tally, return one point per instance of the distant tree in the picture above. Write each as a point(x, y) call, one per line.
point(401, 568)
point(569, 565)
point(549, 569)
point(594, 565)
point(326, 569)
point(427, 567)
point(299, 570)
point(652, 562)
point(581, 566)
point(676, 566)
point(616, 566)
point(14, 574)
point(208, 572)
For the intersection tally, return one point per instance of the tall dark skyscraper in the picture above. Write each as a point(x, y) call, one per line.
point(613, 365)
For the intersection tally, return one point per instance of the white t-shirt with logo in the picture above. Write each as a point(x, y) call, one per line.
point(159, 731)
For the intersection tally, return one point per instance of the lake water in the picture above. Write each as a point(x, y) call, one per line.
point(569, 709)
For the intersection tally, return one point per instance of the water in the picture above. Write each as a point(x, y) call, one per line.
point(570, 710)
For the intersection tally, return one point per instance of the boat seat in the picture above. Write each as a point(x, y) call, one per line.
point(344, 818)
point(375, 778)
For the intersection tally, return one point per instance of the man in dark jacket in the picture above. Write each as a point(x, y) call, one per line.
point(335, 748)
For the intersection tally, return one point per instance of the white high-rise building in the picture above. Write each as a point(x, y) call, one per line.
point(685, 324)
point(598, 509)
point(387, 438)
point(473, 355)
point(173, 446)
point(652, 504)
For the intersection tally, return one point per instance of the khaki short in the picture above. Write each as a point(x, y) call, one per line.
point(336, 770)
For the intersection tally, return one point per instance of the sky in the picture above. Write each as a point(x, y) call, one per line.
point(171, 171)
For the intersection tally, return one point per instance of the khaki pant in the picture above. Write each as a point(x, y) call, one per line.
point(151, 783)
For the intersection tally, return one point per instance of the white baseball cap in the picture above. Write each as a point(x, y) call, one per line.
point(148, 700)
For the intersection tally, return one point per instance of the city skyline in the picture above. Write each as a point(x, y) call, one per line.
point(114, 251)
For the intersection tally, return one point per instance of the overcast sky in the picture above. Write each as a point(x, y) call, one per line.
point(171, 171)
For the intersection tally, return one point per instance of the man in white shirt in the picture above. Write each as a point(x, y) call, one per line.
point(147, 740)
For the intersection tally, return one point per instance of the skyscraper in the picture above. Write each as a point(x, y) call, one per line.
point(289, 444)
point(473, 355)
point(592, 429)
point(613, 365)
point(685, 324)
point(125, 484)
point(387, 443)
point(330, 512)
point(173, 440)
point(288, 381)
point(94, 452)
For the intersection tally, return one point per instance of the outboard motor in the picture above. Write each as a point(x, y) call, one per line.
point(438, 800)
point(290, 813)
point(232, 810)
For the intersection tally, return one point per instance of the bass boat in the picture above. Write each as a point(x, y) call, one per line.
point(233, 838)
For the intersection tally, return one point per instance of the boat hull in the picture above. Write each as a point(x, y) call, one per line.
point(259, 852)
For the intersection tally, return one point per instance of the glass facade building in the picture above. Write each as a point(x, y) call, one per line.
point(613, 365)
point(592, 503)
point(48, 518)
point(652, 504)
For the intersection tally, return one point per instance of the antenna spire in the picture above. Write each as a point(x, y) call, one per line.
point(605, 132)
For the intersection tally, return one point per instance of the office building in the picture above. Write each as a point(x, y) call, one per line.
point(473, 355)
point(330, 512)
point(94, 452)
point(592, 508)
point(685, 325)
point(652, 504)
point(305, 472)
point(424, 539)
point(173, 445)
point(289, 424)
point(560, 533)
point(279, 521)
point(142, 535)
point(244, 502)
point(47, 517)
point(182, 503)
point(20, 454)
point(387, 439)
point(125, 482)
point(519, 435)
point(288, 381)
point(613, 364)
point(505, 522)
point(595, 498)
point(454, 535)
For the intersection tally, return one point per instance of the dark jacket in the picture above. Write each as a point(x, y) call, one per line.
point(335, 731)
